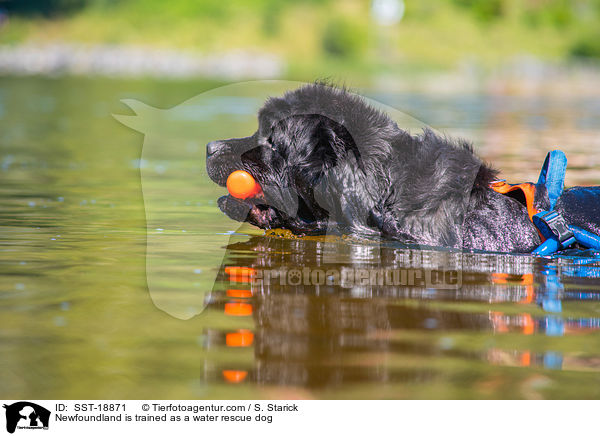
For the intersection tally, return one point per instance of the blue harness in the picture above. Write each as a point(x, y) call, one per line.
point(559, 235)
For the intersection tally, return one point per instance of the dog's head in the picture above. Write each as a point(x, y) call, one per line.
point(301, 138)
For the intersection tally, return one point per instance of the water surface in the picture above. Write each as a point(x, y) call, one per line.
point(120, 278)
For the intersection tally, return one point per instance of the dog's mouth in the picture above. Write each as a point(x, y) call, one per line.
point(252, 210)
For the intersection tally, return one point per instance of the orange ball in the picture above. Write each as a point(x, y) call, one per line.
point(242, 185)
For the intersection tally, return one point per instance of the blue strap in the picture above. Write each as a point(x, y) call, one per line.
point(586, 238)
point(553, 175)
point(550, 224)
point(552, 245)
point(548, 247)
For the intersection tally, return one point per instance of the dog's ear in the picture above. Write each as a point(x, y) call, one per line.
point(334, 143)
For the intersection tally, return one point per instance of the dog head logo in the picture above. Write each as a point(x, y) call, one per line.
point(26, 415)
point(184, 226)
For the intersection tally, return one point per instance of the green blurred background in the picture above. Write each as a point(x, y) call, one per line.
point(339, 38)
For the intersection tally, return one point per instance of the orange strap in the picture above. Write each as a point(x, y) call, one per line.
point(528, 190)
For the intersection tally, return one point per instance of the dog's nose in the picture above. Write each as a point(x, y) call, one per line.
point(212, 147)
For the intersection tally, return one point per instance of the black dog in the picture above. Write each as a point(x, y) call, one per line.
point(327, 161)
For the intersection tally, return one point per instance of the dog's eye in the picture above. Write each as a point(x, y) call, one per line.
point(272, 145)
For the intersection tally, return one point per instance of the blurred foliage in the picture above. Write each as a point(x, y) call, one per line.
point(344, 38)
point(558, 13)
point(483, 10)
point(432, 33)
point(587, 47)
point(43, 7)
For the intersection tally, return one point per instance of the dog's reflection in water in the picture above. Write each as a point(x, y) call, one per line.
point(330, 313)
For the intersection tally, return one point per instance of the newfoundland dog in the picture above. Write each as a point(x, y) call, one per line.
point(328, 162)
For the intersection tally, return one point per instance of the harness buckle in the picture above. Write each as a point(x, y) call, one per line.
point(552, 225)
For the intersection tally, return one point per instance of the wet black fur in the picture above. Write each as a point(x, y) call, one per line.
point(327, 161)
